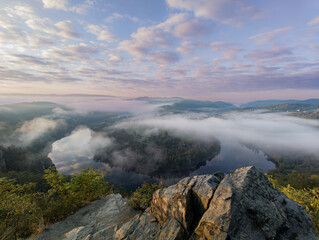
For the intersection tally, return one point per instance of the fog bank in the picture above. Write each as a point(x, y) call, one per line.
point(276, 132)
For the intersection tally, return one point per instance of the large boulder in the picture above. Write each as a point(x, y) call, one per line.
point(246, 206)
point(185, 201)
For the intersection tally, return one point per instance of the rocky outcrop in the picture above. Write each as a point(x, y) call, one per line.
point(242, 205)
point(238, 206)
point(186, 201)
point(97, 221)
point(246, 206)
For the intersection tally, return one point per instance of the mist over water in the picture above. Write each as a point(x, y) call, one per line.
point(243, 137)
point(275, 133)
point(75, 152)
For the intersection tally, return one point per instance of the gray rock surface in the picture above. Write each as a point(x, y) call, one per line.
point(172, 230)
point(95, 221)
point(238, 206)
point(185, 201)
point(246, 206)
point(142, 227)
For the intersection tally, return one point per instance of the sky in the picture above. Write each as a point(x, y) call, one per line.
point(229, 50)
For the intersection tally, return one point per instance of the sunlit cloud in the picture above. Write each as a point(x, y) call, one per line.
point(267, 37)
point(187, 48)
point(314, 21)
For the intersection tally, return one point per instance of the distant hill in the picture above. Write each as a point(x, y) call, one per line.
point(159, 100)
point(313, 101)
point(15, 113)
point(197, 106)
point(262, 103)
point(292, 107)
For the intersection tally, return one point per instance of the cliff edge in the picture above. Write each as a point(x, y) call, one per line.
point(237, 206)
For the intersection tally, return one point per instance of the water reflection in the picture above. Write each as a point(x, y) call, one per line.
point(232, 156)
point(75, 152)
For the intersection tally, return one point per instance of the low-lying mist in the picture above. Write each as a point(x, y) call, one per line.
point(272, 132)
point(76, 152)
point(75, 134)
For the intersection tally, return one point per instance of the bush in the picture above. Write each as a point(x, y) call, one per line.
point(142, 197)
point(19, 214)
point(25, 211)
point(307, 197)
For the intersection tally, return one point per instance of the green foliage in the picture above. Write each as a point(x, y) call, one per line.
point(19, 214)
point(24, 210)
point(157, 153)
point(142, 197)
point(307, 197)
point(298, 171)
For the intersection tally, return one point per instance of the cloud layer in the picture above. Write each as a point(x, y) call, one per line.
point(36, 128)
point(272, 132)
point(197, 49)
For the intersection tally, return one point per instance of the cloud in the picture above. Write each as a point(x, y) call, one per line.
point(35, 128)
point(314, 21)
point(226, 49)
point(82, 8)
point(273, 132)
point(144, 40)
point(23, 58)
point(273, 53)
point(67, 29)
point(111, 104)
point(102, 33)
point(154, 37)
point(23, 11)
point(116, 16)
point(229, 12)
point(115, 58)
point(64, 29)
point(263, 38)
point(193, 29)
point(63, 5)
point(56, 4)
point(72, 52)
point(163, 57)
point(189, 47)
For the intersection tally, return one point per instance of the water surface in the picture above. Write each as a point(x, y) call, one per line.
point(76, 152)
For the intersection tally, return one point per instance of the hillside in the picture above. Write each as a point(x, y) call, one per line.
point(262, 103)
point(188, 105)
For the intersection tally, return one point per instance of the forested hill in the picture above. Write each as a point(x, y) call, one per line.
point(262, 103)
point(188, 105)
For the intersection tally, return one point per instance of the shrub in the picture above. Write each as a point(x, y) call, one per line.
point(307, 197)
point(142, 197)
point(19, 214)
point(25, 211)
